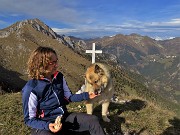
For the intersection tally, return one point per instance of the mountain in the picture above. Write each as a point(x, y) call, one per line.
point(157, 61)
point(132, 54)
point(172, 46)
point(136, 107)
point(18, 41)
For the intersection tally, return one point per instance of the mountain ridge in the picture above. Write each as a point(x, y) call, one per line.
point(139, 54)
point(155, 60)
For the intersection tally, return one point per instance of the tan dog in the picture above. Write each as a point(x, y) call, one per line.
point(98, 80)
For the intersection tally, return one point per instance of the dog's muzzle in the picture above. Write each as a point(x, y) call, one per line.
point(98, 91)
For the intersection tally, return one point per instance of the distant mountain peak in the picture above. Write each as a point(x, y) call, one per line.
point(38, 25)
point(35, 23)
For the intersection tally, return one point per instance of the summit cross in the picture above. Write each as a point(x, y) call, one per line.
point(93, 51)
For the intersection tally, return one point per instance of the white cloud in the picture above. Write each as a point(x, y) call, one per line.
point(162, 38)
point(57, 10)
point(2, 22)
point(65, 30)
point(15, 15)
point(153, 28)
point(170, 23)
point(174, 21)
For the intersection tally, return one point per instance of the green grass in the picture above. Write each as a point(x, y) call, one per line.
point(11, 115)
point(137, 115)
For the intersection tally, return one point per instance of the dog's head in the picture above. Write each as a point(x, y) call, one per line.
point(95, 76)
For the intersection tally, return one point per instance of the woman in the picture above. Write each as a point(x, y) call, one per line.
point(46, 95)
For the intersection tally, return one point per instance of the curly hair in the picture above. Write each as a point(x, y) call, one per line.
point(38, 62)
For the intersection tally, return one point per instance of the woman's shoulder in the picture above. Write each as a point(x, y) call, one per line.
point(35, 86)
point(30, 84)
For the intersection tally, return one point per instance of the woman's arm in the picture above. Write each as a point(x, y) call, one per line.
point(76, 97)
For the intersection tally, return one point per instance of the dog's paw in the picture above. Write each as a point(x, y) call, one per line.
point(105, 118)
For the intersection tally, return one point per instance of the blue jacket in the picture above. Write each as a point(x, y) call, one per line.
point(44, 100)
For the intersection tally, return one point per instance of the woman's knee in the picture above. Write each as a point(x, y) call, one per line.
point(94, 118)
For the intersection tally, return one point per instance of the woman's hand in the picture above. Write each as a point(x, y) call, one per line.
point(52, 125)
point(92, 95)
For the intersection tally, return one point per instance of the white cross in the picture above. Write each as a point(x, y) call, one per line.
point(93, 51)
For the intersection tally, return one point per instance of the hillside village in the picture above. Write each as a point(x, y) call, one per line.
point(153, 59)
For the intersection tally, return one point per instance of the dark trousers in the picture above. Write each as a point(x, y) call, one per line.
point(74, 123)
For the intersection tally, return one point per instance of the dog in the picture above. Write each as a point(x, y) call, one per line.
point(99, 81)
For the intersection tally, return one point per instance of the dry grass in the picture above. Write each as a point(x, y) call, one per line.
point(134, 116)
point(11, 115)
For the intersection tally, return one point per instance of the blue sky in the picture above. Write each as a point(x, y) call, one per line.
point(98, 18)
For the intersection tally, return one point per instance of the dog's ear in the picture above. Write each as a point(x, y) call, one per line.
point(98, 70)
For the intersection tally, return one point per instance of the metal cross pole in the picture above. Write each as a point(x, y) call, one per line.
point(93, 51)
